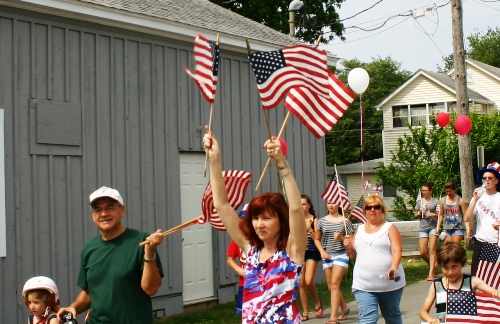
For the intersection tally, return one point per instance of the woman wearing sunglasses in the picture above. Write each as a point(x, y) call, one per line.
point(378, 277)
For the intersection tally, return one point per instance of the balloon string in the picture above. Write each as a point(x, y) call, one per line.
point(361, 127)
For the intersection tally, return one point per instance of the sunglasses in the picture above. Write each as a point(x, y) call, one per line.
point(376, 207)
point(488, 178)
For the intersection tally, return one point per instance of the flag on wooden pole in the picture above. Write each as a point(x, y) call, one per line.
point(236, 185)
point(336, 193)
point(319, 114)
point(206, 57)
point(357, 211)
point(277, 72)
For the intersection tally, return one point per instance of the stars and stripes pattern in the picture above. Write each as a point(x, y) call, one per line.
point(277, 72)
point(419, 196)
point(488, 266)
point(236, 185)
point(317, 113)
point(465, 307)
point(357, 211)
point(336, 193)
point(206, 57)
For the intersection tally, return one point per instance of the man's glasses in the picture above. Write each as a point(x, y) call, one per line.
point(376, 207)
point(488, 178)
point(108, 209)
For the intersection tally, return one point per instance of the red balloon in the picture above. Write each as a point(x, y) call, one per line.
point(284, 146)
point(443, 119)
point(463, 124)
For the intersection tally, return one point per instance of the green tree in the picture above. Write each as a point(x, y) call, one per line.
point(431, 154)
point(343, 142)
point(483, 47)
point(314, 19)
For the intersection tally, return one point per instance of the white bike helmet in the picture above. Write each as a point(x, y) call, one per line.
point(41, 282)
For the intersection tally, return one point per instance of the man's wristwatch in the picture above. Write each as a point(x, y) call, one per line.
point(153, 259)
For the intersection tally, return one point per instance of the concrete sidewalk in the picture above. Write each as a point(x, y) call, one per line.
point(411, 302)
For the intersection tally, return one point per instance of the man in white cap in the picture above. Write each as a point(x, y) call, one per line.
point(485, 206)
point(117, 276)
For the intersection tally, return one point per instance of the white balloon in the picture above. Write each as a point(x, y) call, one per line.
point(358, 80)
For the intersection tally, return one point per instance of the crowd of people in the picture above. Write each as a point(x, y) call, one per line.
point(279, 242)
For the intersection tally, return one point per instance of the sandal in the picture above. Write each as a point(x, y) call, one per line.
point(346, 312)
point(332, 322)
point(431, 278)
point(304, 317)
point(319, 310)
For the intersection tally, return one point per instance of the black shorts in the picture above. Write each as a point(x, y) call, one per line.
point(312, 255)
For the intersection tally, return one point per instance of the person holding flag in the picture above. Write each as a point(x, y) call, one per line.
point(273, 236)
point(427, 209)
point(331, 231)
point(485, 206)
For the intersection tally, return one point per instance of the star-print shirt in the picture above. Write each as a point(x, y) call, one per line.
point(270, 289)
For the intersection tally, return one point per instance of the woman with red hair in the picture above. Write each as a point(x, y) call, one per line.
point(273, 235)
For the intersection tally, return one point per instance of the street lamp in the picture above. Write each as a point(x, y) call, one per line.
point(294, 6)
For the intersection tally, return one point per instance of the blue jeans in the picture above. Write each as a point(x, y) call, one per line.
point(368, 303)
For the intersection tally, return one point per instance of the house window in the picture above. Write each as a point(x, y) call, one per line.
point(418, 114)
point(436, 108)
point(399, 116)
point(389, 191)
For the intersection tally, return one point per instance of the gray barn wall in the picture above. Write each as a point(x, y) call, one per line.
point(88, 105)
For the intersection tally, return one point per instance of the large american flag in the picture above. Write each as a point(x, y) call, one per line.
point(236, 185)
point(317, 113)
point(357, 211)
point(206, 57)
point(277, 72)
point(466, 307)
point(336, 193)
point(488, 266)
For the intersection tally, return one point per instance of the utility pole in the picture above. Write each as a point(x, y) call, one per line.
point(464, 142)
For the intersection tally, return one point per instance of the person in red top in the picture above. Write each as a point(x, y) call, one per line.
point(233, 251)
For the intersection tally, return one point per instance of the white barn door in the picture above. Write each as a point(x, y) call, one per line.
point(197, 261)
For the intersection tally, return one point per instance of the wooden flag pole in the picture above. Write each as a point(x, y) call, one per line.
point(175, 229)
point(269, 158)
point(341, 200)
point(266, 117)
point(210, 118)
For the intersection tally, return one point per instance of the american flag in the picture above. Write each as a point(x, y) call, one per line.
point(206, 57)
point(236, 185)
point(317, 113)
point(488, 266)
point(419, 196)
point(334, 192)
point(277, 72)
point(357, 211)
point(465, 307)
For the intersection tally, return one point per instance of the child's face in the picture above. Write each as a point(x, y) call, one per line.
point(452, 270)
point(36, 306)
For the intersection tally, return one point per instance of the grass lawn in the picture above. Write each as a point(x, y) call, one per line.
point(415, 270)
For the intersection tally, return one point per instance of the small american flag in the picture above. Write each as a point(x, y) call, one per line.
point(277, 72)
point(336, 193)
point(236, 185)
point(357, 211)
point(317, 113)
point(206, 57)
point(419, 196)
point(465, 307)
point(488, 266)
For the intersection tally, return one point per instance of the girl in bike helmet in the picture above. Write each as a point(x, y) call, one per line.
point(41, 296)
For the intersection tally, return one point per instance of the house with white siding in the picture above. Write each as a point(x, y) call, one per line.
point(425, 93)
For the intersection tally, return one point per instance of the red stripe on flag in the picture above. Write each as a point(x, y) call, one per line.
point(317, 113)
point(236, 185)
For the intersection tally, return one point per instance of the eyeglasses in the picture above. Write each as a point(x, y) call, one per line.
point(488, 178)
point(376, 207)
point(108, 209)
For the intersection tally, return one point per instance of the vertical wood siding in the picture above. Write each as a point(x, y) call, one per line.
point(139, 109)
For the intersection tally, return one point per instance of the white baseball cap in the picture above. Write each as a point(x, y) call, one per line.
point(105, 192)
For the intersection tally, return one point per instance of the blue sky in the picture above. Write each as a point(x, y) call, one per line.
point(414, 42)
